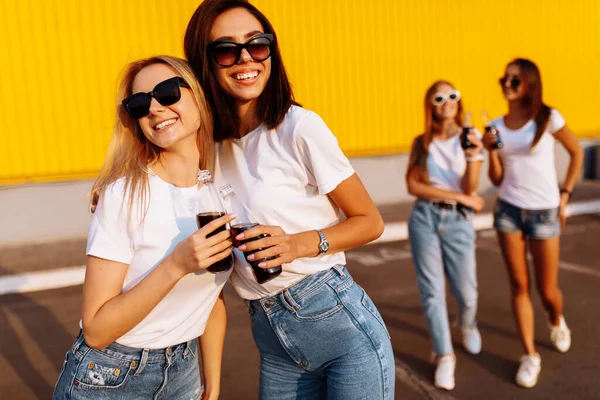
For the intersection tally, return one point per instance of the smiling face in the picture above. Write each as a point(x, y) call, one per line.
point(449, 109)
point(167, 126)
point(513, 71)
point(245, 80)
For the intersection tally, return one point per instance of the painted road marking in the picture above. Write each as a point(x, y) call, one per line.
point(394, 232)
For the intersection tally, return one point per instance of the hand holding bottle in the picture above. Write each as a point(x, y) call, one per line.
point(202, 249)
point(273, 245)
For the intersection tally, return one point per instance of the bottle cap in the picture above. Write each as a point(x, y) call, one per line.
point(204, 176)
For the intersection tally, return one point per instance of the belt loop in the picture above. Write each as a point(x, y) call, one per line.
point(340, 270)
point(289, 300)
point(187, 351)
point(142, 364)
point(285, 303)
point(78, 342)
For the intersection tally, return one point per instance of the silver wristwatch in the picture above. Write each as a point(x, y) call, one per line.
point(324, 244)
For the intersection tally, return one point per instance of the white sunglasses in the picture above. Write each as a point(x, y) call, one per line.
point(440, 98)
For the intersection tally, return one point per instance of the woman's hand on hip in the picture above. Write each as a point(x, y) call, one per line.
point(473, 201)
point(273, 242)
point(199, 252)
point(562, 209)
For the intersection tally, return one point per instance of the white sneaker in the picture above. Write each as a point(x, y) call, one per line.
point(471, 340)
point(560, 336)
point(444, 372)
point(529, 370)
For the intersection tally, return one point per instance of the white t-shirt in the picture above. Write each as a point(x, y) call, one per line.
point(283, 176)
point(446, 163)
point(530, 180)
point(182, 314)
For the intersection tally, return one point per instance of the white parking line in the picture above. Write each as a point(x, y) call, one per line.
point(394, 232)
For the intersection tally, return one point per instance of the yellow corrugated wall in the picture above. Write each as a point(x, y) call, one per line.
point(362, 65)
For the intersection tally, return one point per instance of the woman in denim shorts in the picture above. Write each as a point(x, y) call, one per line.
point(148, 295)
point(531, 208)
point(318, 333)
point(444, 177)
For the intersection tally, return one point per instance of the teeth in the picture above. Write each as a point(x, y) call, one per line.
point(165, 123)
point(247, 75)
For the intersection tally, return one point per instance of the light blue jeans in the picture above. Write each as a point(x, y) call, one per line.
point(443, 243)
point(121, 372)
point(323, 338)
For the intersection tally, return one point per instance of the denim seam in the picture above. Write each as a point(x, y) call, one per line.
point(288, 344)
point(378, 350)
point(303, 293)
point(165, 374)
point(319, 317)
point(378, 318)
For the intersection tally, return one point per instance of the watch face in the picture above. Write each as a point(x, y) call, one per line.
point(324, 247)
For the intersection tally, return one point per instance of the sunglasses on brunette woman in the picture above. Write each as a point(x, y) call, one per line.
point(227, 53)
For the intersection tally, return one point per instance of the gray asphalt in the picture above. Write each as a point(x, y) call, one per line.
point(36, 329)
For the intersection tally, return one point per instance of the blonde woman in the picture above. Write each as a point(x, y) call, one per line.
point(147, 296)
point(444, 176)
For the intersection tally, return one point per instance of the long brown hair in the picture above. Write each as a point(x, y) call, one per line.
point(433, 124)
point(274, 101)
point(540, 112)
point(130, 152)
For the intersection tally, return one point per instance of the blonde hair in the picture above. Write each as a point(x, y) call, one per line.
point(130, 152)
point(433, 124)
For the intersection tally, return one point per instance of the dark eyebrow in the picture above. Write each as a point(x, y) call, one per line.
point(231, 39)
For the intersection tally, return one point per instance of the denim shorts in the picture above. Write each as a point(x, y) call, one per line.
point(535, 224)
point(322, 338)
point(121, 372)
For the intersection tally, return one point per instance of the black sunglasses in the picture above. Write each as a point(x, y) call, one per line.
point(514, 82)
point(166, 93)
point(227, 53)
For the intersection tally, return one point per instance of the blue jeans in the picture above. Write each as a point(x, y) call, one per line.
point(121, 372)
point(443, 243)
point(323, 338)
point(535, 224)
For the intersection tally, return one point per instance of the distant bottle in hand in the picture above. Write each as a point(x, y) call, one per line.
point(465, 143)
point(243, 222)
point(492, 129)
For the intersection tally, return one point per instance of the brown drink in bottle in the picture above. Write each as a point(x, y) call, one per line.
point(243, 222)
point(208, 208)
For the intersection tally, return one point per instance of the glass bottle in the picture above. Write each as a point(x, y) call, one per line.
point(492, 129)
point(244, 221)
point(465, 143)
point(208, 208)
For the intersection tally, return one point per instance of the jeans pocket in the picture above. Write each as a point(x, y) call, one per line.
point(100, 371)
point(318, 305)
point(370, 306)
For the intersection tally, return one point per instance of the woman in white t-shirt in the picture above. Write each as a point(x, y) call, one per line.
point(147, 296)
point(444, 176)
point(318, 333)
point(530, 207)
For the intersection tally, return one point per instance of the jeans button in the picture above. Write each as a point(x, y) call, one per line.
point(269, 303)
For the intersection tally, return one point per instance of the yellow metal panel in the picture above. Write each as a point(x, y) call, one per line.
point(362, 65)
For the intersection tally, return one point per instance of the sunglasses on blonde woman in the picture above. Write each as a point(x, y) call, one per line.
point(440, 98)
point(166, 93)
